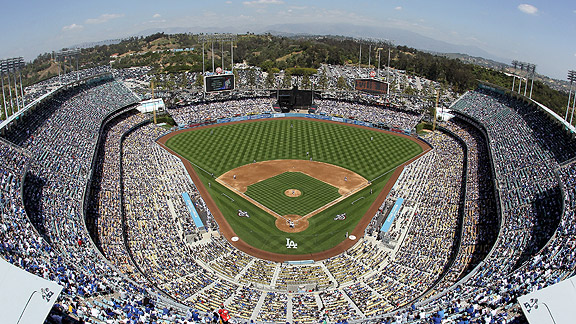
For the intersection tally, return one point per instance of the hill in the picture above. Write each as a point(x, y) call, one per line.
point(177, 53)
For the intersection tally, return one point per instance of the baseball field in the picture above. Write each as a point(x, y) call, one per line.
point(304, 184)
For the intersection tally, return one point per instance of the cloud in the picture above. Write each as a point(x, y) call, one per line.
point(398, 8)
point(72, 27)
point(528, 9)
point(260, 3)
point(157, 15)
point(228, 2)
point(103, 18)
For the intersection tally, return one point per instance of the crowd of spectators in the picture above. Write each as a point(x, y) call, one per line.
point(530, 252)
point(104, 211)
point(373, 113)
point(54, 151)
point(43, 232)
point(225, 109)
point(154, 235)
point(220, 109)
point(431, 188)
point(38, 89)
point(479, 223)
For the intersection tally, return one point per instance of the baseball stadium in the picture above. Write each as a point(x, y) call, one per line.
point(246, 204)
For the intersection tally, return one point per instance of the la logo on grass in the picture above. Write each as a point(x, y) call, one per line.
point(291, 244)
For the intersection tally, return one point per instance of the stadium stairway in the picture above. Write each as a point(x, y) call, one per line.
point(243, 271)
point(258, 307)
point(275, 276)
point(352, 303)
point(232, 296)
point(199, 292)
point(289, 310)
point(335, 282)
point(405, 230)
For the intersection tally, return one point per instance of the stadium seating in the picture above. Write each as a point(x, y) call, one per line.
point(488, 216)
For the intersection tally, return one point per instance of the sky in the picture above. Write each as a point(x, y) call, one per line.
point(540, 32)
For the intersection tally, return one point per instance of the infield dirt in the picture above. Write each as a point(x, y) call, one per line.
point(240, 178)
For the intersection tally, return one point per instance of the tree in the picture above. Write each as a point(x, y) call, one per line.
point(287, 81)
point(409, 90)
point(199, 80)
point(267, 65)
point(306, 84)
point(270, 80)
point(341, 83)
point(252, 78)
point(323, 82)
point(183, 81)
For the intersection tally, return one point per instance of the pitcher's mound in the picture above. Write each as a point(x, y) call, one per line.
point(292, 223)
point(293, 193)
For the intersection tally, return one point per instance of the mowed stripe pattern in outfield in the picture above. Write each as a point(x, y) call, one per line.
point(220, 148)
point(270, 193)
point(226, 147)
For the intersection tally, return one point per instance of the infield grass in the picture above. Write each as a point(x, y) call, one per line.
point(270, 193)
point(372, 154)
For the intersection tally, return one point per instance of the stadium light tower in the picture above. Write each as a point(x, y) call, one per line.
point(360, 56)
point(12, 66)
point(527, 67)
point(520, 76)
point(379, 49)
point(514, 65)
point(62, 55)
point(369, 54)
point(3, 93)
point(5, 64)
point(527, 72)
point(571, 78)
point(217, 37)
point(388, 68)
point(212, 55)
point(533, 73)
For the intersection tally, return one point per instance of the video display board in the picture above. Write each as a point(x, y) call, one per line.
point(371, 85)
point(223, 82)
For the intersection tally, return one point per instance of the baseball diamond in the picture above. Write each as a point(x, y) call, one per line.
point(268, 179)
point(337, 168)
point(316, 193)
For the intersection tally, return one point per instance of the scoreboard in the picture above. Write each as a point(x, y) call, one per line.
point(371, 86)
point(221, 82)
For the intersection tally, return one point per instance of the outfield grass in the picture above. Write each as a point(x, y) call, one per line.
point(270, 193)
point(366, 152)
point(228, 146)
